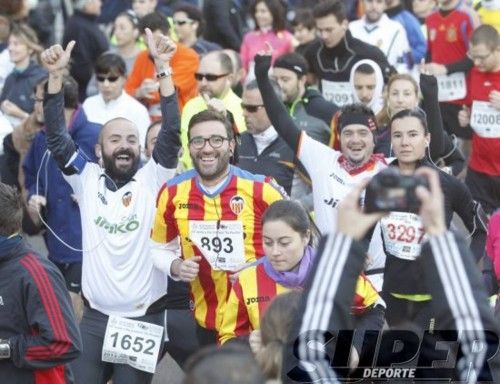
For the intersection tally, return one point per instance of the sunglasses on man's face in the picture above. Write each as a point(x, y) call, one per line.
point(251, 108)
point(111, 79)
point(208, 76)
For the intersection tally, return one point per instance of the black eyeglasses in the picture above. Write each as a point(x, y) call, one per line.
point(208, 76)
point(182, 22)
point(111, 79)
point(215, 141)
point(251, 108)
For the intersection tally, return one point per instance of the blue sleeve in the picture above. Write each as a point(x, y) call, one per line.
point(416, 39)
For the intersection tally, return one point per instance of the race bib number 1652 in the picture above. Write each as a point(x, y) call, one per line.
point(132, 342)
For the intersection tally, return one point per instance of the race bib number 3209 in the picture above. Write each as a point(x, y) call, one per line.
point(132, 342)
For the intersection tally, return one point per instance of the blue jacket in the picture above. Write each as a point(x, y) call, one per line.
point(62, 212)
point(413, 30)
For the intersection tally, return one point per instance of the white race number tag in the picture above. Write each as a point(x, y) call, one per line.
point(220, 242)
point(485, 119)
point(451, 87)
point(339, 93)
point(132, 342)
point(403, 234)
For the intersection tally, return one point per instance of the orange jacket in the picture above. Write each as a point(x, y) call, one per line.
point(184, 65)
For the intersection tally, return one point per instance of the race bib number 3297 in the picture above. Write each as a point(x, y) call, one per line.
point(132, 342)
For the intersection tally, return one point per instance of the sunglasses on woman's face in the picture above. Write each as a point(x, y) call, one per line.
point(102, 78)
point(182, 22)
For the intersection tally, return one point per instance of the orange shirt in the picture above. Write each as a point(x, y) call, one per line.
point(184, 65)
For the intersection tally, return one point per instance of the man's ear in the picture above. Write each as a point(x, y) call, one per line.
point(98, 151)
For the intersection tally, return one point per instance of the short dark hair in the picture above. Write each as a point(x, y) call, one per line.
point(305, 18)
point(193, 13)
point(290, 212)
point(70, 90)
point(417, 113)
point(110, 62)
point(154, 21)
point(294, 62)
point(11, 206)
point(211, 115)
point(131, 15)
point(277, 11)
point(487, 35)
point(365, 68)
point(330, 7)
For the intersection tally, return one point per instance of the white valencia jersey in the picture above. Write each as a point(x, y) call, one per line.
point(388, 35)
point(118, 276)
point(331, 183)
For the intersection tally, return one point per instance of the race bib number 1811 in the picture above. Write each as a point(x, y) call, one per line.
point(132, 342)
point(451, 87)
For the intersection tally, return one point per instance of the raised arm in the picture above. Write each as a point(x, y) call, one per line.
point(276, 110)
point(55, 59)
point(430, 104)
point(162, 49)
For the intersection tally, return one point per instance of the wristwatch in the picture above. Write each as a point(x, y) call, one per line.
point(165, 73)
point(4, 349)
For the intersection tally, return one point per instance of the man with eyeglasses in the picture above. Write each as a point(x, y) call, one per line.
point(261, 150)
point(482, 114)
point(212, 215)
point(112, 101)
point(213, 77)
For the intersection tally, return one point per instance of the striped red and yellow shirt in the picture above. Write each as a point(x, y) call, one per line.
point(182, 203)
point(254, 290)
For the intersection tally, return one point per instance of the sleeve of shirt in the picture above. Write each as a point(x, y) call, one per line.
point(55, 338)
point(235, 322)
point(164, 254)
point(59, 142)
point(168, 143)
point(184, 65)
point(245, 59)
point(457, 289)
point(416, 39)
point(165, 226)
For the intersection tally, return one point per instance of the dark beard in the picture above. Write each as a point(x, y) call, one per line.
point(220, 170)
point(120, 176)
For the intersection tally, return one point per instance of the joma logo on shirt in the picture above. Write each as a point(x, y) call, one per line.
point(124, 227)
point(258, 299)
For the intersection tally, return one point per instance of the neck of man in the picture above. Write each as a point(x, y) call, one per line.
point(216, 180)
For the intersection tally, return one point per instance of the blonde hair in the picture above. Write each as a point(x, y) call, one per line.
point(28, 36)
point(275, 327)
point(384, 116)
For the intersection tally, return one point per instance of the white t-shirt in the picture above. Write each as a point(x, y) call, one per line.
point(388, 35)
point(118, 276)
point(331, 183)
point(100, 112)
